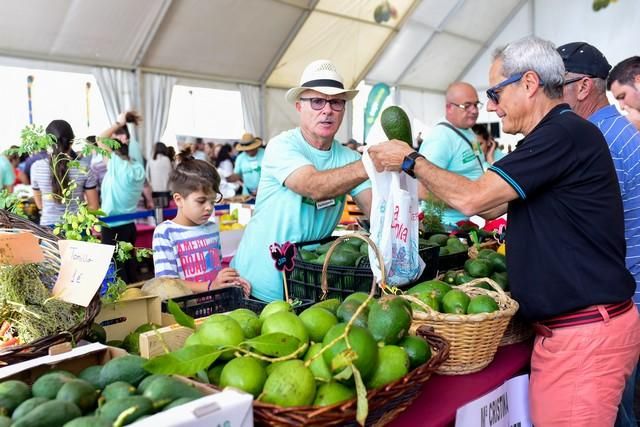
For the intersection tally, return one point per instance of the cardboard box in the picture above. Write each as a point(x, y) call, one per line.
point(120, 318)
point(154, 343)
point(226, 408)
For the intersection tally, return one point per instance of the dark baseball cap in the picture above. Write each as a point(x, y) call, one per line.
point(582, 58)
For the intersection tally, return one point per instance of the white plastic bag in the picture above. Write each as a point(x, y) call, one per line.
point(394, 224)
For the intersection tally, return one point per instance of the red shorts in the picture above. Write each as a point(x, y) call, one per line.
point(579, 373)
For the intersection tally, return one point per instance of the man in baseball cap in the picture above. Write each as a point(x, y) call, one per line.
point(305, 176)
point(584, 90)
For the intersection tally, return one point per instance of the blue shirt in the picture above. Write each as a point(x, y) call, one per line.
point(190, 253)
point(624, 143)
point(249, 169)
point(446, 149)
point(282, 215)
point(121, 187)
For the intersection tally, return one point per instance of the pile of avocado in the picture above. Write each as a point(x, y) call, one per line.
point(488, 263)
point(448, 245)
point(444, 298)
point(120, 390)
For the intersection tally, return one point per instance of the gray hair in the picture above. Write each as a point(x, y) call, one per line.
point(534, 54)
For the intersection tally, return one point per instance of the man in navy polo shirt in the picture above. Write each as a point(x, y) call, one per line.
point(585, 90)
point(565, 248)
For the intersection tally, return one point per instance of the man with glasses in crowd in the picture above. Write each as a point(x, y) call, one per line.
point(451, 144)
point(585, 90)
point(565, 245)
point(306, 174)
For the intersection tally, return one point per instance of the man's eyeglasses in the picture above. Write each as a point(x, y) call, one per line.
point(468, 105)
point(575, 79)
point(493, 93)
point(319, 103)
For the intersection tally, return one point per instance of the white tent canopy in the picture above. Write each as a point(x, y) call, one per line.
point(260, 47)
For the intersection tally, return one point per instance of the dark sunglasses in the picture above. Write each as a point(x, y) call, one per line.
point(493, 92)
point(319, 103)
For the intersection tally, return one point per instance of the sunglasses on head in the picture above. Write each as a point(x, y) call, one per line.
point(493, 93)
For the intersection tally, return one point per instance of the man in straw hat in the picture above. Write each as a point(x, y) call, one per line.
point(565, 243)
point(248, 163)
point(306, 174)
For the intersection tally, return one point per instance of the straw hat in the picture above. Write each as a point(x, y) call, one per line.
point(321, 76)
point(248, 142)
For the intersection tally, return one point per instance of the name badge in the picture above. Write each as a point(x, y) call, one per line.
point(323, 204)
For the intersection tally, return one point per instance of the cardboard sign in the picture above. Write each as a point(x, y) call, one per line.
point(82, 269)
point(19, 248)
point(506, 406)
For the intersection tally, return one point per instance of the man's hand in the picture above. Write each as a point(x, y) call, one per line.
point(389, 155)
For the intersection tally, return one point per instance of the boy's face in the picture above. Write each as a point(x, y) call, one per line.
point(195, 209)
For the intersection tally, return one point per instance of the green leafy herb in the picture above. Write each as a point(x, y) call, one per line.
point(186, 361)
point(114, 290)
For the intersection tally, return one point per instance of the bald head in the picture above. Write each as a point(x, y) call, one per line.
point(462, 105)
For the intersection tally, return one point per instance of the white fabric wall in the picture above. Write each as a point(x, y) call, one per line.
point(423, 108)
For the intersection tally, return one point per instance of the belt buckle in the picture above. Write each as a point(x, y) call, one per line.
point(542, 330)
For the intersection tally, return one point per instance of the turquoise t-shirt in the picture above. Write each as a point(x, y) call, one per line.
point(7, 175)
point(249, 169)
point(446, 149)
point(121, 187)
point(282, 215)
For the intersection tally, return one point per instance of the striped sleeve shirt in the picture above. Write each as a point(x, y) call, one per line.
point(190, 253)
point(624, 143)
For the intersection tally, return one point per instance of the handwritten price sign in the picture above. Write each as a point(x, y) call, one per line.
point(82, 270)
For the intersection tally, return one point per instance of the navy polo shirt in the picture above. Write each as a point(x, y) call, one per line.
point(566, 247)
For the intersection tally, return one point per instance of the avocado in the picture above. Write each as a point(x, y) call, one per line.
point(118, 390)
point(396, 124)
point(51, 413)
point(89, 421)
point(389, 319)
point(462, 278)
point(429, 298)
point(12, 394)
point(167, 389)
point(148, 380)
point(92, 376)
point(478, 267)
point(126, 368)
point(27, 406)
point(111, 410)
point(482, 304)
point(348, 308)
point(443, 251)
point(5, 421)
point(499, 262)
point(80, 392)
point(179, 401)
point(343, 257)
point(449, 277)
point(50, 383)
point(323, 249)
point(439, 239)
point(306, 255)
point(455, 301)
point(437, 286)
point(484, 253)
point(501, 279)
point(330, 304)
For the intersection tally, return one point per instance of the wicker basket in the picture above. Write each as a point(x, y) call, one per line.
point(518, 330)
point(385, 403)
point(473, 338)
point(49, 269)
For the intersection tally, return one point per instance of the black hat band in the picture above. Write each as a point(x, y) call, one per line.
point(323, 82)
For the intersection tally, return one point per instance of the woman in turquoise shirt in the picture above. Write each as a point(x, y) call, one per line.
point(121, 189)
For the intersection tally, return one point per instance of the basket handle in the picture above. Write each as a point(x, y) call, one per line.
point(471, 284)
point(427, 308)
point(334, 245)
